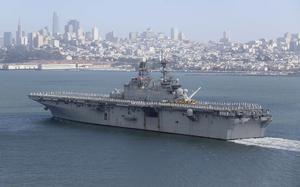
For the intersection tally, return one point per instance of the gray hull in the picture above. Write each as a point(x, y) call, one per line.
point(163, 119)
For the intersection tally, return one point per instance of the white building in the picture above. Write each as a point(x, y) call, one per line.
point(95, 34)
point(38, 41)
point(57, 66)
point(20, 67)
point(55, 43)
point(174, 34)
point(181, 36)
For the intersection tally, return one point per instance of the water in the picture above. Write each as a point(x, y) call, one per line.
point(36, 150)
point(269, 142)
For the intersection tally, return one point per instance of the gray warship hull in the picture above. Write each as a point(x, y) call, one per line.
point(204, 119)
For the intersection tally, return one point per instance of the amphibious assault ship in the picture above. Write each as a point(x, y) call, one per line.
point(161, 105)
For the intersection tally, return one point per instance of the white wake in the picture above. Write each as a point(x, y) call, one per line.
point(274, 143)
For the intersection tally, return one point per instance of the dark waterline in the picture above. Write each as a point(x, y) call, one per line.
point(39, 151)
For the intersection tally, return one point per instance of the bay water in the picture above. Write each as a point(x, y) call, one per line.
point(36, 150)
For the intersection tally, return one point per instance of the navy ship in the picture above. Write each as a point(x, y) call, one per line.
point(160, 105)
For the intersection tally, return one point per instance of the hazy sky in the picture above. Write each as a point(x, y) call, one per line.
point(198, 19)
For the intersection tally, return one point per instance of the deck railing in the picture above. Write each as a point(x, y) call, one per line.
point(202, 105)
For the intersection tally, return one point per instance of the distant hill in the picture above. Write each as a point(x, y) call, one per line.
point(22, 54)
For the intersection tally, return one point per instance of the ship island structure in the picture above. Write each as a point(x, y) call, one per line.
point(161, 105)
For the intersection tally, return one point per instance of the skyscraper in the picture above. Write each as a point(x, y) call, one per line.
point(1, 42)
point(95, 34)
point(225, 38)
point(55, 24)
point(31, 39)
point(72, 29)
point(181, 36)
point(133, 36)
point(110, 37)
point(38, 40)
point(7, 39)
point(174, 34)
point(19, 34)
point(72, 26)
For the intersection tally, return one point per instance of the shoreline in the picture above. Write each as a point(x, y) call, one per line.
point(105, 66)
point(188, 72)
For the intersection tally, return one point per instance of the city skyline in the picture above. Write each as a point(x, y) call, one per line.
point(55, 29)
point(266, 19)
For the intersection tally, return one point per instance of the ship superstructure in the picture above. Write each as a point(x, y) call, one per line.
point(158, 105)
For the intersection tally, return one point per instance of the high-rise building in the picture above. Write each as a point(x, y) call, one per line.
point(55, 43)
point(31, 39)
point(294, 45)
point(296, 36)
point(133, 36)
point(72, 26)
point(95, 34)
point(110, 37)
point(225, 35)
point(24, 39)
point(7, 39)
point(174, 34)
point(80, 35)
point(88, 36)
point(287, 37)
point(148, 34)
point(38, 40)
point(1, 42)
point(55, 24)
point(181, 36)
point(225, 38)
point(73, 30)
point(19, 34)
point(161, 36)
point(45, 31)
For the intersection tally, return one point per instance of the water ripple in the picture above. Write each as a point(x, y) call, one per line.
point(270, 142)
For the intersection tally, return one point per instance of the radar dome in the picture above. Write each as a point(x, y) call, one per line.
point(179, 91)
point(189, 112)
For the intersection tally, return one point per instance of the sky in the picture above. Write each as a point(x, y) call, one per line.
point(198, 19)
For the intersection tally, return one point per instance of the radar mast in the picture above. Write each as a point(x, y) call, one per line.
point(143, 70)
point(163, 63)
